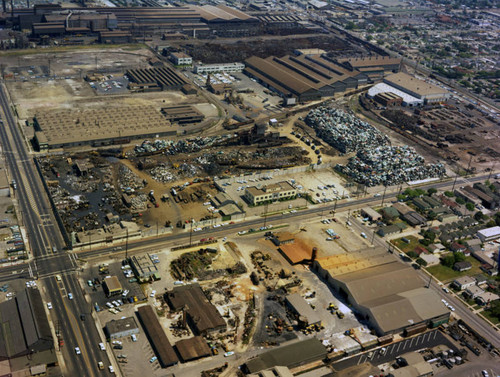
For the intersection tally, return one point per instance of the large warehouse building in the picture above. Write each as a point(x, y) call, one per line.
point(308, 77)
point(25, 337)
point(202, 315)
point(413, 91)
point(198, 21)
point(101, 126)
point(391, 296)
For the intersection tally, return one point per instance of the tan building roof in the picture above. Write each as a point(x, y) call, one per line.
point(376, 61)
point(346, 263)
point(394, 294)
point(414, 85)
point(83, 125)
point(221, 13)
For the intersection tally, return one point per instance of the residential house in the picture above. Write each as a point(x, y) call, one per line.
point(486, 297)
point(464, 282)
point(462, 266)
point(473, 291)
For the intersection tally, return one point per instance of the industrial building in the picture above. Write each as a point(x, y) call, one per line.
point(388, 99)
point(120, 328)
point(74, 22)
point(306, 77)
point(376, 67)
point(59, 128)
point(489, 234)
point(155, 79)
point(193, 348)
point(424, 91)
point(276, 191)
point(202, 69)
point(289, 355)
point(112, 286)
point(157, 337)
point(202, 315)
point(302, 309)
point(180, 58)
point(277, 371)
point(144, 268)
point(272, 22)
point(390, 296)
point(115, 36)
point(225, 21)
point(182, 114)
point(25, 337)
point(370, 213)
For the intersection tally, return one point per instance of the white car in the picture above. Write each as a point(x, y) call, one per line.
point(49, 305)
point(70, 296)
point(77, 351)
point(102, 347)
point(134, 338)
point(153, 293)
point(111, 369)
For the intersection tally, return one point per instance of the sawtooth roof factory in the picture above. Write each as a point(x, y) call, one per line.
point(95, 127)
point(308, 77)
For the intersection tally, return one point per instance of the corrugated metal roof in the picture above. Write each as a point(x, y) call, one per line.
point(164, 350)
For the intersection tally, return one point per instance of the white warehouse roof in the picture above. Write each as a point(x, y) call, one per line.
point(385, 88)
point(490, 232)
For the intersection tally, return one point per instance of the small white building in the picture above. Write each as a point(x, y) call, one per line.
point(180, 58)
point(464, 282)
point(473, 291)
point(224, 67)
point(430, 259)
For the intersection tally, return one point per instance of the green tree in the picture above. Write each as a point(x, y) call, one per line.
point(412, 254)
point(469, 206)
point(448, 260)
point(421, 262)
point(431, 191)
point(479, 216)
point(449, 194)
point(495, 309)
point(431, 236)
point(458, 256)
point(460, 201)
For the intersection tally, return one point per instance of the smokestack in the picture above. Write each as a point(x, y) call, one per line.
point(314, 254)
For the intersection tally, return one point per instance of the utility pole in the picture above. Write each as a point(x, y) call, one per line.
point(126, 246)
point(429, 283)
point(373, 237)
point(468, 166)
point(383, 196)
point(265, 214)
point(191, 232)
point(455, 181)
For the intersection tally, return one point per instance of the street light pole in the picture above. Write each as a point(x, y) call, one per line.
point(126, 246)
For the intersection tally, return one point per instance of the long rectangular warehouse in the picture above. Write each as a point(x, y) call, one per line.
point(57, 128)
point(157, 337)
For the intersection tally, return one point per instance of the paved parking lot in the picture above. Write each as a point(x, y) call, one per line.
point(426, 340)
point(115, 85)
point(97, 294)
